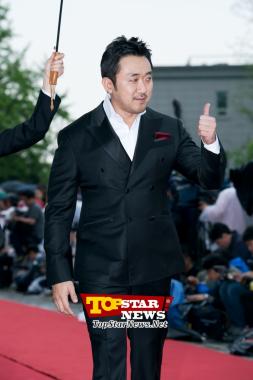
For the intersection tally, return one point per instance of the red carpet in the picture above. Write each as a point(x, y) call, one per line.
point(37, 344)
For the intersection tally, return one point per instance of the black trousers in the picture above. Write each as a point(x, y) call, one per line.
point(109, 345)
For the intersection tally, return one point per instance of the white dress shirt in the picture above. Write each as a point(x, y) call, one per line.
point(47, 93)
point(227, 210)
point(128, 136)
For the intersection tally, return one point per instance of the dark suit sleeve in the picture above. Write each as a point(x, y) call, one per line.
point(59, 213)
point(31, 131)
point(198, 164)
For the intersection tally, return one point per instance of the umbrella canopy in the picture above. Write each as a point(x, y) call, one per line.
point(11, 186)
point(16, 186)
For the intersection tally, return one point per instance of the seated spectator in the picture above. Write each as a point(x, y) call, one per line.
point(226, 290)
point(191, 267)
point(206, 312)
point(248, 240)
point(189, 277)
point(31, 267)
point(29, 224)
point(230, 242)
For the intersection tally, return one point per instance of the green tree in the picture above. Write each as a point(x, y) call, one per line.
point(18, 94)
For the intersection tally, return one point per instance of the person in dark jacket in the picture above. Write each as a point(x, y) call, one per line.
point(34, 129)
point(230, 242)
point(227, 290)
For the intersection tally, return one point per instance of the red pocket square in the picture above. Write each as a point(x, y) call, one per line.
point(162, 136)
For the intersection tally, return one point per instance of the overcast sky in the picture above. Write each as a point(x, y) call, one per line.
point(176, 30)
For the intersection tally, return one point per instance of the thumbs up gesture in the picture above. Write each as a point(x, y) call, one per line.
point(207, 126)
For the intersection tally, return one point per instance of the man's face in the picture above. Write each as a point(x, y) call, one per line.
point(213, 275)
point(133, 89)
point(249, 244)
point(224, 241)
point(27, 201)
point(23, 199)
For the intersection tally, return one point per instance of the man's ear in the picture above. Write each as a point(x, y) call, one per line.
point(108, 85)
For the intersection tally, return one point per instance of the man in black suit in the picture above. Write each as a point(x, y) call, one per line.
point(34, 129)
point(121, 155)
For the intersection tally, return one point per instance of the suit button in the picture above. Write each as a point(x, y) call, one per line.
point(129, 219)
point(127, 190)
point(102, 170)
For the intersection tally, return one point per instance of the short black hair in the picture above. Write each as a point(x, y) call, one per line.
point(214, 261)
point(121, 47)
point(217, 230)
point(28, 193)
point(248, 234)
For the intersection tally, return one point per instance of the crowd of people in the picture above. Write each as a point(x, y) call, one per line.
point(22, 259)
point(212, 298)
point(22, 255)
point(215, 294)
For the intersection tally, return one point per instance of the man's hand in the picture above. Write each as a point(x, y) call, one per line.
point(196, 297)
point(192, 280)
point(54, 63)
point(202, 205)
point(247, 275)
point(61, 292)
point(207, 126)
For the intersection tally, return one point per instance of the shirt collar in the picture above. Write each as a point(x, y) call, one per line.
point(110, 111)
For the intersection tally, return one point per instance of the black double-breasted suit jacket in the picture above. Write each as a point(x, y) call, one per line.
point(126, 235)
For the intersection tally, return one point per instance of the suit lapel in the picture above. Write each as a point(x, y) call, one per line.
point(147, 128)
point(103, 132)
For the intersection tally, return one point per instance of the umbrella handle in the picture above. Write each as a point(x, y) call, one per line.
point(53, 82)
point(53, 78)
point(53, 74)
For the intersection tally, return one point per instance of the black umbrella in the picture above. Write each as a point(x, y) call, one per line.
point(11, 186)
point(14, 186)
point(54, 74)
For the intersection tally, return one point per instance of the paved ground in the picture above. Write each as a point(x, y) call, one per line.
point(42, 301)
point(45, 302)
